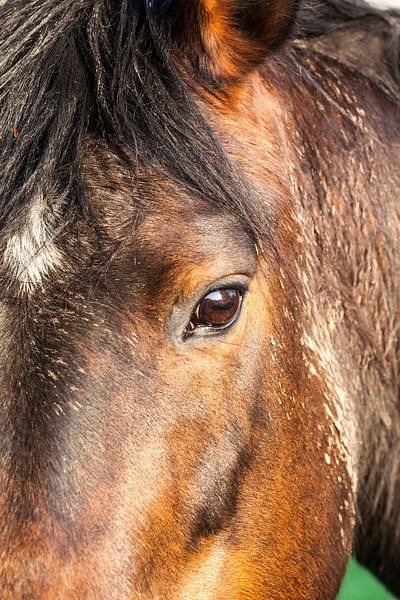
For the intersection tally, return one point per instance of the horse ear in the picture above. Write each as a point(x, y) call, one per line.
point(227, 38)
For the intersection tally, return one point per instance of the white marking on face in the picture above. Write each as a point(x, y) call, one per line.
point(31, 253)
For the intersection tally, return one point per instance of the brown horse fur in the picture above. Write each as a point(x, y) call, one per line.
point(161, 155)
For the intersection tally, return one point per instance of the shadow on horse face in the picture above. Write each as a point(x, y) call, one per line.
point(174, 422)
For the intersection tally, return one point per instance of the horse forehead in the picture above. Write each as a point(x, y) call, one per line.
point(129, 211)
point(121, 196)
point(152, 212)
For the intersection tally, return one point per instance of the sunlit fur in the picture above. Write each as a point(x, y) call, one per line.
point(157, 155)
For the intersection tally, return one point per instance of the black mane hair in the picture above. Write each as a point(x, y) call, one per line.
point(81, 66)
point(316, 18)
point(104, 68)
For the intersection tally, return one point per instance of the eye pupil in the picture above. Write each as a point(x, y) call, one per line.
point(218, 309)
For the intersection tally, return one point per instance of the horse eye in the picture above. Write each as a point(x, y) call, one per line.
point(217, 310)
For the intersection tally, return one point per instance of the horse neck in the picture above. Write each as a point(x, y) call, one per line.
point(342, 151)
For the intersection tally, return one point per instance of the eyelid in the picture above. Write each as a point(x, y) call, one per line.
point(236, 280)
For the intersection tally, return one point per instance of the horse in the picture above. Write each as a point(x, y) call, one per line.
point(199, 299)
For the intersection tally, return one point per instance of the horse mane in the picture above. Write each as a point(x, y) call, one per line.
point(106, 69)
point(344, 29)
point(316, 18)
point(103, 70)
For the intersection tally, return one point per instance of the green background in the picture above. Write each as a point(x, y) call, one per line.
point(359, 584)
